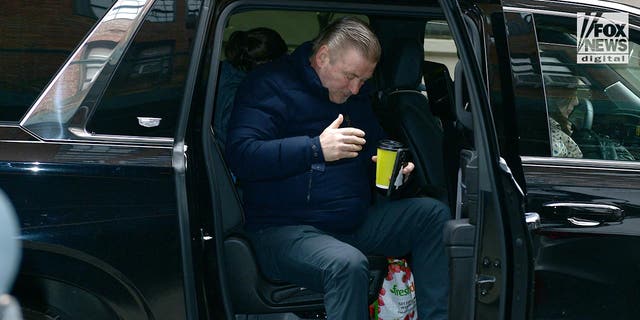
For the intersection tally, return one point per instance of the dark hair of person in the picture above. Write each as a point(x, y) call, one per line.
point(559, 95)
point(247, 49)
point(555, 103)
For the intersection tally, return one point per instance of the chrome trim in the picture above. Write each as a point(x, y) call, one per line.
point(532, 219)
point(582, 205)
point(539, 11)
point(505, 167)
point(105, 140)
point(82, 133)
point(583, 222)
point(109, 143)
point(593, 3)
point(610, 165)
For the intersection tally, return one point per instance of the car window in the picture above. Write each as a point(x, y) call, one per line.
point(35, 43)
point(145, 93)
point(439, 45)
point(593, 109)
point(117, 87)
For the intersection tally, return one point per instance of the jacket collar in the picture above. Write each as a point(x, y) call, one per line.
point(301, 59)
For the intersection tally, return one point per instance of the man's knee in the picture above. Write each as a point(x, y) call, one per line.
point(441, 212)
point(430, 211)
point(351, 264)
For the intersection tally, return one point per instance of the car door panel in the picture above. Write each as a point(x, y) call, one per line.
point(101, 232)
point(585, 265)
point(83, 221)
point(503, 276)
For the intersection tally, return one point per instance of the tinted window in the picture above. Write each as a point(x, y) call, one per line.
point(439, 45)
point(593, 110)
point(145, 92)
point(35, 41)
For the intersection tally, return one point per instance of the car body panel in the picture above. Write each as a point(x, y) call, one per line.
point(580, 271)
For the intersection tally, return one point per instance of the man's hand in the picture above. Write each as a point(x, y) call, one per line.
point(338, 143)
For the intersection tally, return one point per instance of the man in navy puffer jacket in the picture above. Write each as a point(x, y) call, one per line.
point(301, 141)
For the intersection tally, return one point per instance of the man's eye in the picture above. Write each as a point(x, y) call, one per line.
point(351, 76)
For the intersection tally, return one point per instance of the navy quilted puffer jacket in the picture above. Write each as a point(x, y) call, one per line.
point(273, 148)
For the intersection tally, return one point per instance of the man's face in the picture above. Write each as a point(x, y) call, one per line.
point(343, 75)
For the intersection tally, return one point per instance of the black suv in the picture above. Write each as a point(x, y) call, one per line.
point(128, 211)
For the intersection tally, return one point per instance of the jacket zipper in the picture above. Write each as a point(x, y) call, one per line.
point(309, 188)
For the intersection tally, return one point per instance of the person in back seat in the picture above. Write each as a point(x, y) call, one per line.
point(302, 139)
point(244, 51)
point(561, 102)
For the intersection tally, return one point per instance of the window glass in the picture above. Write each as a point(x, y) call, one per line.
point(35, 43)
point(145, 91)
point(593, 109)
point(439, 45)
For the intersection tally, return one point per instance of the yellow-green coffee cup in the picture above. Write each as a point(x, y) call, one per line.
point(387, 153)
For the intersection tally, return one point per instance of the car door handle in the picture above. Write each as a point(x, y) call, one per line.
point(585, 214)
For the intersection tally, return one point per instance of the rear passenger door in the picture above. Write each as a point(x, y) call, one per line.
point(90, 170)
point(586, 261)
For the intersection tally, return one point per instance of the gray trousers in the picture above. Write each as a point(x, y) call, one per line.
point(336, 265)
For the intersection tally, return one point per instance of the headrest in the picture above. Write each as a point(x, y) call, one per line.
point(402, 65)
point(439, 89)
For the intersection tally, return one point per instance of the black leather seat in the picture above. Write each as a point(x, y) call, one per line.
point(408, 117)
point(440, 93)
point(250, 291)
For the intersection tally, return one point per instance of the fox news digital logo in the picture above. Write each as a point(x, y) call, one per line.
point(603, 37)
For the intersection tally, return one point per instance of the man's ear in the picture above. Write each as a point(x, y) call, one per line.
point(322, 56)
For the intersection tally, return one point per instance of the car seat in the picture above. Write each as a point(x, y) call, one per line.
point(440, 93)
point(251, 292)
point(407, 114)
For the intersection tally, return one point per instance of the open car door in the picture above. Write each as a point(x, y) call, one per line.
point(490, 199)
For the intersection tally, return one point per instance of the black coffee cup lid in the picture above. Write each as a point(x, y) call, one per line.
point(388, 144)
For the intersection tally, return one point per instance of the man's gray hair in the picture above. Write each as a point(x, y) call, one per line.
point(349, 32)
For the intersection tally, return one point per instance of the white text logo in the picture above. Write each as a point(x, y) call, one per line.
point(603, 37)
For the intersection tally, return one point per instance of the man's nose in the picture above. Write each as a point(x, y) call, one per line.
point(355, 85)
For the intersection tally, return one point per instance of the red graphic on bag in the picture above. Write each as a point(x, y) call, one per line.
point(397, 297)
